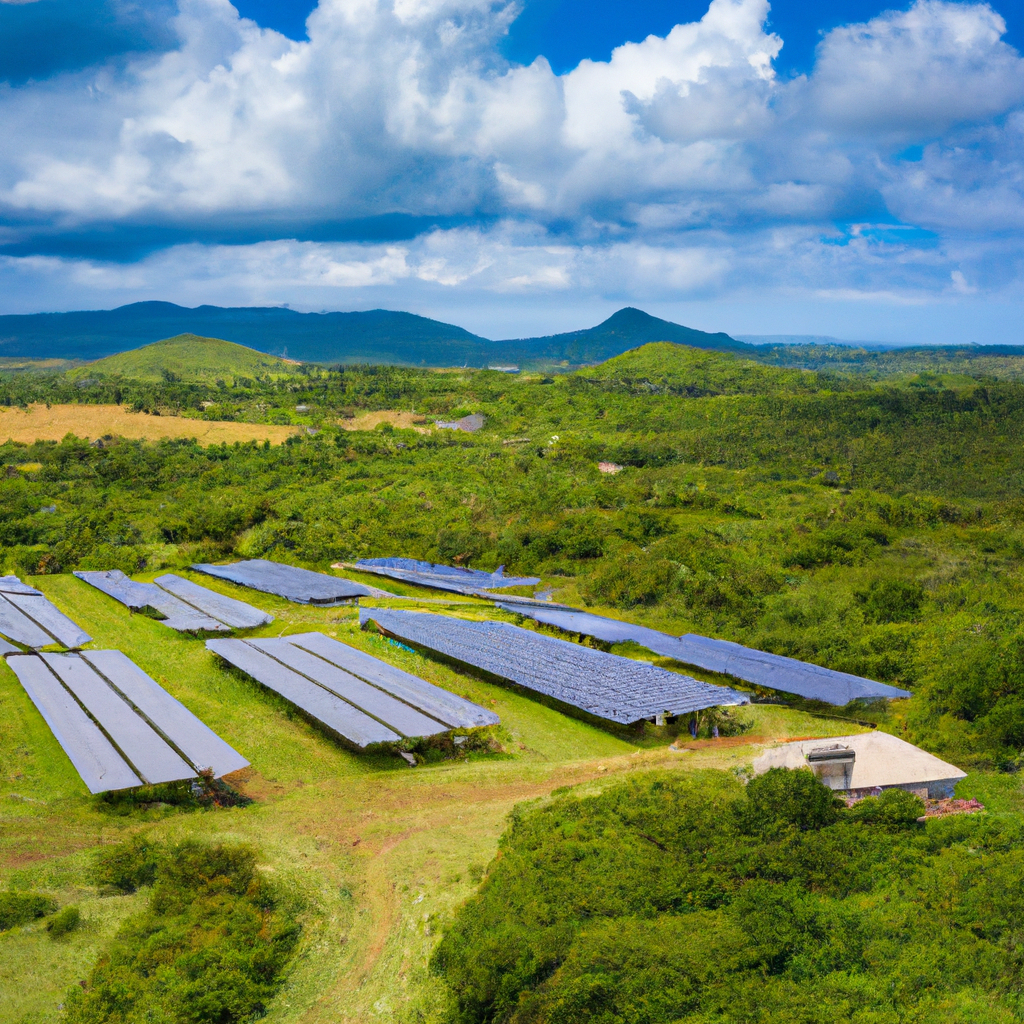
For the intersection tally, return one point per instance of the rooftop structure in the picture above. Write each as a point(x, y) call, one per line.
point(604, 685)
point(867, 764)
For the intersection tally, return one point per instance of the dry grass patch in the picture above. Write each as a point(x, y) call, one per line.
point(402, 420)
point(40, 423)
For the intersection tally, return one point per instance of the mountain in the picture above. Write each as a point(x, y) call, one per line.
point(191, 358)
point(376, 336)
point(622, 331)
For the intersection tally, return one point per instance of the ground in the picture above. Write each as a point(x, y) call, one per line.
point(382, 852)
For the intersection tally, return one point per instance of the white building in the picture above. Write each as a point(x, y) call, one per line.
point(866, 764)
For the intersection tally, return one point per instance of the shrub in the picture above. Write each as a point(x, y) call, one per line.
point(781, 799)
point(21, 907)
point(211, 947)
point(67, 919)
point(127, 866)
point(891, 600)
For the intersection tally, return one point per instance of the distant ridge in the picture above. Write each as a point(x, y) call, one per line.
point(375, 336)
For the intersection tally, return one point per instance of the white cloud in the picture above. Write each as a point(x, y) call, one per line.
point(682, 166)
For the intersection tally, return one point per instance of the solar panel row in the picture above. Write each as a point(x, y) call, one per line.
point(605, 685)
point(29, 618)
point(361, 699)
point(118, 727)
point(759, 668)
point(289, 581)
point(181, 604)
point(443, 577)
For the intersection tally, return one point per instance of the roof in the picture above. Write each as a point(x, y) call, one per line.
point(882, 760)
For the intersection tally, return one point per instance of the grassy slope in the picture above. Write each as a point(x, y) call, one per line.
point(383, 852)
point(191, 358)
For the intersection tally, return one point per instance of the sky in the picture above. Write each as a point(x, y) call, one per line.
point(852, 169)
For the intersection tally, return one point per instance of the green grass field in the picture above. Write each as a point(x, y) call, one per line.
point(383, 853)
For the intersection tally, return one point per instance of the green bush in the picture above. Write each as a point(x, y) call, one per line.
point(127, 866)
point(211, 947)
point(67, 919)
point(21, 907)
point(891, 600)
point(689, 900)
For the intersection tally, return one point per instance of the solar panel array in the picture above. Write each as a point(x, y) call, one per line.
point(363, 700)
point(117, 725)
point(772, 671)
point(443, 577)
point(29, 618)
point(604, 685)
point(180, 603)
point(289, 581)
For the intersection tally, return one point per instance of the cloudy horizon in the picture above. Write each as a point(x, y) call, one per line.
point(395, 156)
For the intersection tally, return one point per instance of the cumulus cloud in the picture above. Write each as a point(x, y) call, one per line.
point(680, 166)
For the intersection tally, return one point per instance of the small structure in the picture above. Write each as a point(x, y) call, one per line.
point(866, 764)
point(470, 424)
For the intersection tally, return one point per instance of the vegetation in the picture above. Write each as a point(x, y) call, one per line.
point(211, 946)
point(188, 357)
point(21, 907)
point(867, 521)
point(678, 899)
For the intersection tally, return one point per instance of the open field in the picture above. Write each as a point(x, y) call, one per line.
point(401, 420)
point(40, 423)
point(383, 853)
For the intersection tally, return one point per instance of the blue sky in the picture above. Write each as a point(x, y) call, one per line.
point(853, 169)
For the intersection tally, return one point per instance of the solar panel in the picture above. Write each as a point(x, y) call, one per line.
point(289, 581)
point(6, 648)
point(443, 577)
point(342, 718)
point(12, 585)
point(197, 741)
point(47, 615)
point(100, 766)
point(780, 673)
point(760, 668)
point(143, 748)
point(400, 717)
point(233, 613)
point(141, 596)
point(438, 703)
point(605, 685)
point(16, 625)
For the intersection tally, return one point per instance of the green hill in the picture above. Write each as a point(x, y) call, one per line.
point(191, 358)
point(671, 369)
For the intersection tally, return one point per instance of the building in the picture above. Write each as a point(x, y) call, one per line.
point(866, 764)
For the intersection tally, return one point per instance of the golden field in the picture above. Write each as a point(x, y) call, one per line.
point(39, 423)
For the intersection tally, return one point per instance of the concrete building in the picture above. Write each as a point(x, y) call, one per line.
point(866, 764)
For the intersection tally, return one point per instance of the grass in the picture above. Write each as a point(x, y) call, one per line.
point(383, 853)
point(51, 423)
point(190, 357)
